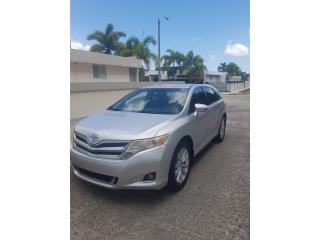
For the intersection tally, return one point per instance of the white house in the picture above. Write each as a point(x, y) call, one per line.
point(209, 76)
point(236, 78)
point(98, 67)
point(215, 77)
point(153, 75)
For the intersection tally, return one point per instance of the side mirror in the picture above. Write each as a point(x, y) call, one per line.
point(200, 107)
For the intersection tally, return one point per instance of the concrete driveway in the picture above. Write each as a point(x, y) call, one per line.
point(213, 205)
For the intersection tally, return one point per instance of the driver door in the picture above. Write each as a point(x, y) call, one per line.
point(199, 121)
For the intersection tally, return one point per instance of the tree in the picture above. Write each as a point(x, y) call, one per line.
point(140, 49)
point(108, 41)
point(231, 69)
point(245, 76)
point(173, 57)
point(222, 67)
point(193, 66)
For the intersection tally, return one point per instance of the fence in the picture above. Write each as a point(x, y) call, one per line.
point(237, 86)
point(230, 86)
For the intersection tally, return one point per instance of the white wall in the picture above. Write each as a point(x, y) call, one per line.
point(82, 72)
point(88, 98)
point(117, 74)
point(86, 103)
point(215, 78)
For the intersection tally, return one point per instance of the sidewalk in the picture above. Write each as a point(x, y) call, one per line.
point(242, 91)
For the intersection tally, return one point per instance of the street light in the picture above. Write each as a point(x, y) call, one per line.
point(159, 56)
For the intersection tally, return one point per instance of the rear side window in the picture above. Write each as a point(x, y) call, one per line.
point(211, 94)
point(198, 96)
point(216, 96)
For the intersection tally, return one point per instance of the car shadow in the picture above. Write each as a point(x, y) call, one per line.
point(136, 197)
point(204, 151)
point(132, 197)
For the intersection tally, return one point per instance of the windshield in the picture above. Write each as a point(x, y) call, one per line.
point(153, 100)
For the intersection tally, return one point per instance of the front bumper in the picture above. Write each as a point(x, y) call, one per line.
point(124, 174)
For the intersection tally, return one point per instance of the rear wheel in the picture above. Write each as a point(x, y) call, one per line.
point(222, 129)
point(180, 167)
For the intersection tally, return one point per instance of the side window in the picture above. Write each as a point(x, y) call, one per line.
point(216, 96)
point(198, 96)
point(212, 95)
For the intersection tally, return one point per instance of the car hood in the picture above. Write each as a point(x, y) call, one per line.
point(116, 125)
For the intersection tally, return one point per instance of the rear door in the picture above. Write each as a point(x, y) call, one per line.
point(214, 111)
point(199, 122)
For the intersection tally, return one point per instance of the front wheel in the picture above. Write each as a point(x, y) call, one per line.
point(180, 167)
point(222, 130)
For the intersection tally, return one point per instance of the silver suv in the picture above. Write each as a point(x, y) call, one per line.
point(148, 139)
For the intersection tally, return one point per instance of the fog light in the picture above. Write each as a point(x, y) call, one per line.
point(150, 176)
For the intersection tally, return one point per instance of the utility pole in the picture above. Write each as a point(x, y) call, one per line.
point(159, 56)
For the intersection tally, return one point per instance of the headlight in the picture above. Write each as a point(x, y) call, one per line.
point(143, 144)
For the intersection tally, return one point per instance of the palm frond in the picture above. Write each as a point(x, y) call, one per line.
point(149, 40)
point(121, 34)
point(109, 29)
point(97, 35)
point(126, 53)
point(131, 42)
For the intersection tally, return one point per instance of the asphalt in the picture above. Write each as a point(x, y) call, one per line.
point(215, 203)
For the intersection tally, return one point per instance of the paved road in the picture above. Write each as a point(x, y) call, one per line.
point(213, 205)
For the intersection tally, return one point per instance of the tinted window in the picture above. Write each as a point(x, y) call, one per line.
point(211, 94)
point(216, 96)
point(198, 96)
point(153, 100)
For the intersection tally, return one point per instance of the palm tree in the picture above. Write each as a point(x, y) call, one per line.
point(172, 57)
point(108, 41)
point(222, 67)
point(193, 66)
point(140, 49)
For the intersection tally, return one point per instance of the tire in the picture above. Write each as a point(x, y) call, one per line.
point(222, 130)
point(176, 183)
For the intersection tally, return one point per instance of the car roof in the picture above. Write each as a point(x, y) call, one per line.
point(174, 85)
point(180, 85)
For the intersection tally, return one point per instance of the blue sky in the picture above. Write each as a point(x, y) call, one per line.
point(217, 30)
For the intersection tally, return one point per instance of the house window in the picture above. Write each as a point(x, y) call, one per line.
point(132, 74)
point(99, 71)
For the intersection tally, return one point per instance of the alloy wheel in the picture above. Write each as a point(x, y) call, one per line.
point(222, 128)
point(182, 165)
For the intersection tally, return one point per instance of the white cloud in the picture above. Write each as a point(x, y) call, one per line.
point(236, 49)
point(78, 45)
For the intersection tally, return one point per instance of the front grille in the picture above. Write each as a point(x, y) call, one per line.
point(104, 149)
point(98, 176)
